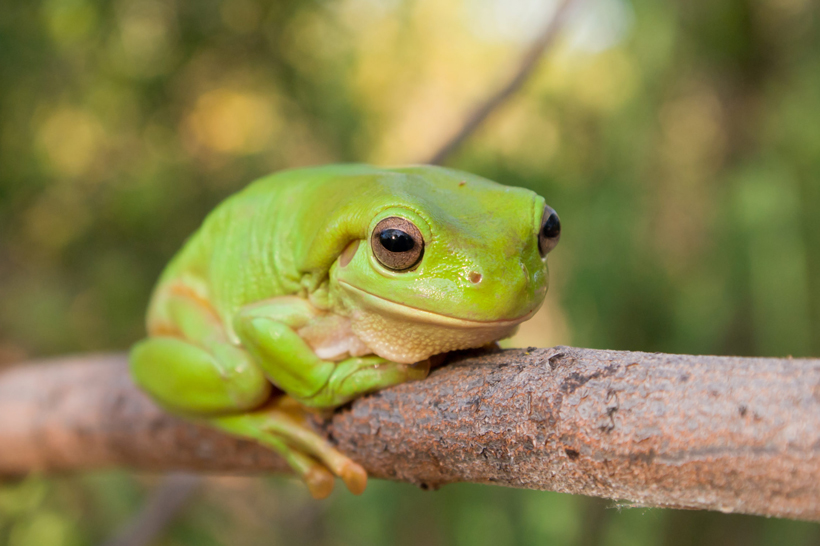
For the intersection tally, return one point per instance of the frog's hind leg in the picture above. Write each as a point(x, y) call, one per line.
point(227, 390)
point(281, 425)
point(187, 379)
point(191, 367)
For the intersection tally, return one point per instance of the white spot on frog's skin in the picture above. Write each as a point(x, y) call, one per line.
point(343, 348)
point(331, 338)
point(348, 253)
point(526, 274)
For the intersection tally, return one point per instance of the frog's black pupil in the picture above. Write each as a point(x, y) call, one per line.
point(552, 227)
point(395, 240)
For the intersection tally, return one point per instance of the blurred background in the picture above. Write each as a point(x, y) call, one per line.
point(679, 142)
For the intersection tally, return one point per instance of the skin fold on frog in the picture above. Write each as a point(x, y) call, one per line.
point(328, 283)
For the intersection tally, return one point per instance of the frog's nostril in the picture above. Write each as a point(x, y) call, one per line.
point(475, 277)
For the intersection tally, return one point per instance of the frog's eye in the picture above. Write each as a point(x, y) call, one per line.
point(397, 243)
point(550, 232)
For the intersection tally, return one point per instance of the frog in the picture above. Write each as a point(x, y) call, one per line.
point(314, 286)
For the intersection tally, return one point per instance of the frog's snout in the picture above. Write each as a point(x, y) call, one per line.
point(502, 293)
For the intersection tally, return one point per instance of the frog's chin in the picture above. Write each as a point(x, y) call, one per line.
point(378, 304)
point(406, 334)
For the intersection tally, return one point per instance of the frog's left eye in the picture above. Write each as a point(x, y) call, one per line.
point(397, 243)
point(550, 231)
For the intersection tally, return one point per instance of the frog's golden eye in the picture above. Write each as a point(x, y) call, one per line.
point(397, 243)
point(550, 231)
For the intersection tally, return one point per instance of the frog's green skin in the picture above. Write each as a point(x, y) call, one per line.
point(281, 286)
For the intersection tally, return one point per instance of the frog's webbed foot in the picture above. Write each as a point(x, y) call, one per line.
point(281, 426)
point(357, 376)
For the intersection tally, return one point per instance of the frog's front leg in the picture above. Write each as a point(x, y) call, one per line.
point(268, 332)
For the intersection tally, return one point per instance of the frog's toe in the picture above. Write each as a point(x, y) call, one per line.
point(319, 481)
point(419, 370)
point(282, 427)
point(354, 476)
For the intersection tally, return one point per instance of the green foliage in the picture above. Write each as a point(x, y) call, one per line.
point(684, 161)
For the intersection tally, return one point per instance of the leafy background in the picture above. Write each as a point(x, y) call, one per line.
point(679, 141)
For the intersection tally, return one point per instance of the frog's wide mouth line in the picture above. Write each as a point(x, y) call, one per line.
point(421, 315)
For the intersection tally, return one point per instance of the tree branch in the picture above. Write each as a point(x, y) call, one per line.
point(717, 433)
point(526, 67)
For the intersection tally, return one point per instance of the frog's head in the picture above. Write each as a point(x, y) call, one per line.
point(444, 260)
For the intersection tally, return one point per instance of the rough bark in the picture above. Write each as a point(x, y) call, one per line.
point(718, 433)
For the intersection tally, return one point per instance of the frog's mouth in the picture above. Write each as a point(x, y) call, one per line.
point(406, 312)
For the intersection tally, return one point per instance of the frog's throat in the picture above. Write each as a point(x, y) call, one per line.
point(414, 314)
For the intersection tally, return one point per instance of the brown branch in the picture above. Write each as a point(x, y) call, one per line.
point(527, 66)
point(717, 433)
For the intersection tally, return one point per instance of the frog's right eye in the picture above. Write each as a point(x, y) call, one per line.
point(397, 243)
point(550, 231)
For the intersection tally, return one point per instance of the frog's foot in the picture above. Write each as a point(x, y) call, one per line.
point(356, 376)
point(281, 426)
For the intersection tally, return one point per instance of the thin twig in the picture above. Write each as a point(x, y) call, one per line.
point(163, 506)
point(528, 64)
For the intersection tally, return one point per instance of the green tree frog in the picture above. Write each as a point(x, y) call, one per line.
point(313, 286)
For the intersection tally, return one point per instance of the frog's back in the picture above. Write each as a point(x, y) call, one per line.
point(249, 248)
